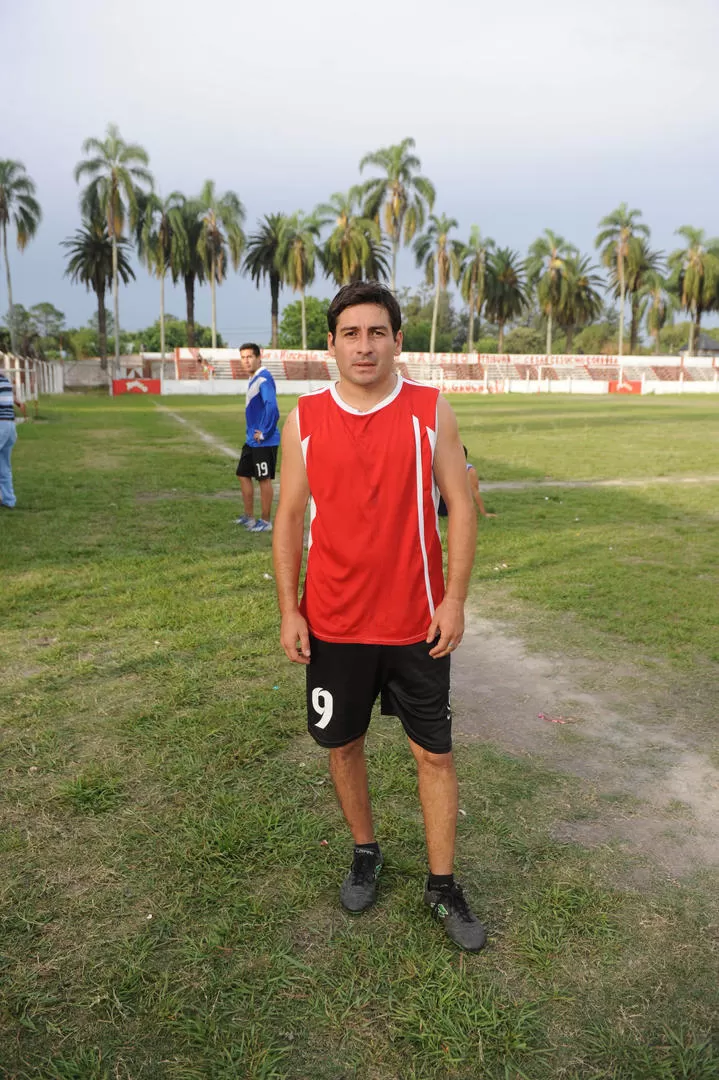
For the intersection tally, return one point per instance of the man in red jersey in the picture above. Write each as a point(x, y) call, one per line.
point(371, 455)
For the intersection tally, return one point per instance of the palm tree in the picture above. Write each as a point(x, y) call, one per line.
point(261, 262)
point(472, 281)
point(162, 242)
point(189, 265)
point(506, 289)
point(19, 205)
point(661, 303)
point(116, 170)
point(222, 217)
point(641, 264)
point(406, 196)
point(91, 263)
point(696, 276)
point(354, 249)
point(580, 302)
point(546, 267)
point(618, 231)
point(441, 259)
point(296, 256)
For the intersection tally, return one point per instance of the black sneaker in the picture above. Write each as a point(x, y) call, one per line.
point(359, 889)
point(458, 919)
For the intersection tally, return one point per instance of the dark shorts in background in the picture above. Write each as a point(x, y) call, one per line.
point(258, 462)
point(343, 681)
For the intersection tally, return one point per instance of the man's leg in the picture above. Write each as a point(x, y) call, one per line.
point(265, 499)
point(348, 767)
point(7, 441)
point(438, 795)
point(248, 495)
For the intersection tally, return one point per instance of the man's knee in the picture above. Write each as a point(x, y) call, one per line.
point(443, 763)
point(348, 753)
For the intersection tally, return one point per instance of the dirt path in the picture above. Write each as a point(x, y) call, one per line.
point(624, 746)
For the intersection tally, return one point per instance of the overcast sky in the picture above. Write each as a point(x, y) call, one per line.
point(525, 115)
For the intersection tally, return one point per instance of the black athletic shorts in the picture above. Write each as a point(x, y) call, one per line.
point(343, 681)
point(258, 462)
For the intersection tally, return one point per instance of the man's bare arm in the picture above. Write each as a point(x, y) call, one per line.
point(287, 540)
point(450, 470)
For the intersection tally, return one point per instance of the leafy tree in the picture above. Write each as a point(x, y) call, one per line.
point(21, 324)
point(405, 196)
point(95, 260)
point(162, 242)
point(580, 302)
point(261, 262)
point(49, 323)
point(176, 335)
point(18, 206)
point(115, 170)
point(506, 289)
point(523, 340)
point(354, 249)
point(696, 277)
point(304, 322)
point(546, 271)
point(673, 338)
point(296, 256)
point(441, 259)
point(417, 312)
point(83, 343)
point(222, 217)
point(189, 265)
point(618, 232)
point(472, 281)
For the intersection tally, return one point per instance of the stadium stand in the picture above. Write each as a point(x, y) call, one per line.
point(603, 372)
point(666, 374)
point(568, 371)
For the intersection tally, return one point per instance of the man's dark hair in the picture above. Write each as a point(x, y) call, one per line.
point(251, 345)
point(364, 292)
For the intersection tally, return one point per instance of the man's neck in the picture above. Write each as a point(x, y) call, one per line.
point(364, 398)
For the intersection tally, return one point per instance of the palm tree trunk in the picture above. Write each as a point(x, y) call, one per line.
point(10, 309)
point(570, 337)
point(213, 287)
point(470, 343)
point(500, 342)
point(101, 323)
point(695, 331)
point(304, 319)
point(621, 305)
point(190, 303)
point(395, 245)
point(549, 331)
point(115, 299)
point(275, 294)
point(435, 312)
point(162, 313)
point(657, 346)
point(634, 326)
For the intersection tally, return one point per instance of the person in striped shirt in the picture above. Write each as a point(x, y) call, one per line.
point(8, 437)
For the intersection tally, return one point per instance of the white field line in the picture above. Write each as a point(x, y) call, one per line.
point(490, 485)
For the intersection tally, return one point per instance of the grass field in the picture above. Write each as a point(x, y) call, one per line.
point(169, 908)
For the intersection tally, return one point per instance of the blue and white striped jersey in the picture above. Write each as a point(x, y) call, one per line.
point(7, 412)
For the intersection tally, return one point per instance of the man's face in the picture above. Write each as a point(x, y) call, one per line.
point(250, 362)
point(364, 347)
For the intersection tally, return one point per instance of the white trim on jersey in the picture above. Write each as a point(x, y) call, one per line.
point(420, 510)
point(366, 412)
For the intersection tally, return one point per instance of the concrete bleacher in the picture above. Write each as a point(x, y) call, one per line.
point(666, 374)
point(603, 372)
point(569, 371)
point(503, 369)
point(462, 371)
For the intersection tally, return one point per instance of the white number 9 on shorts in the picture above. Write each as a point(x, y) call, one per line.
point(323, 704)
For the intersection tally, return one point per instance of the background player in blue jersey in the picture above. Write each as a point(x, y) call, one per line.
point(259, 454)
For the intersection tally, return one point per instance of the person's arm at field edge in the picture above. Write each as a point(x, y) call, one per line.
point(450, 470)
point(287, 538)
point(474, 488)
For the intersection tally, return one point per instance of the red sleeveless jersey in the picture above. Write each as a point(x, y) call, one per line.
point(374, 564)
